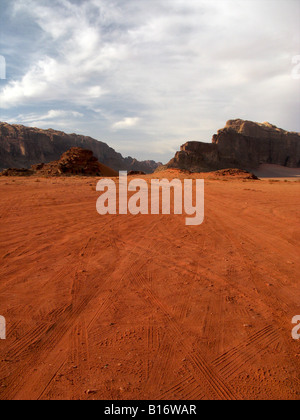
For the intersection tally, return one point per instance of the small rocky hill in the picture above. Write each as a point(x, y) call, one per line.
point(75, 161)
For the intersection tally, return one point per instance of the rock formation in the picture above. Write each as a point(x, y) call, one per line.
point(21, 147)
point(75, 161)
point(17, 172)
point(232, 173)
point(241, 144)
point(133, 173)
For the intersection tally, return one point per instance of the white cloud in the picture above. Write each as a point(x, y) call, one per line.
point(126, 123)
point(60, 117)
point(57, 113)
point(79, 57)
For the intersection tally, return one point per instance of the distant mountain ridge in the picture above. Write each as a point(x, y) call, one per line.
point(21, 147)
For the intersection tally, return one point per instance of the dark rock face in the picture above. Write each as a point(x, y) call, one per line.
point(196, 157)
point(241, 144)
point(75, 161)
point(233, 173)
point(21, 147)
point(17, 172)
point(132, 173)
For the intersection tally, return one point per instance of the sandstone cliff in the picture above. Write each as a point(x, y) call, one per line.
point(241, 144)
point(21, 147)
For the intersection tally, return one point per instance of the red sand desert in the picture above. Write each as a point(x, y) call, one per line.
point(144, 307)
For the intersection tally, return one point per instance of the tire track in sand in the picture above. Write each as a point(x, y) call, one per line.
point(204, 373)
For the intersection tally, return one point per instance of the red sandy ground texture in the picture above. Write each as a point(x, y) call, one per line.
point(145, 307)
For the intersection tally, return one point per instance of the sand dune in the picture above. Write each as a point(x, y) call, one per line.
point(144, 307)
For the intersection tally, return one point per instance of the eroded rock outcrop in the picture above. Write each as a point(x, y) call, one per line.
point(233, 173)
point(133, 173)
point(241, 144)
point(17, 172)
point(75, 161)
point(21, 147)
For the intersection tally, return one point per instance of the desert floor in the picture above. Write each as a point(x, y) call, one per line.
point(144, 307)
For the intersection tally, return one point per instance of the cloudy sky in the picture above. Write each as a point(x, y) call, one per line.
point(147, 75)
